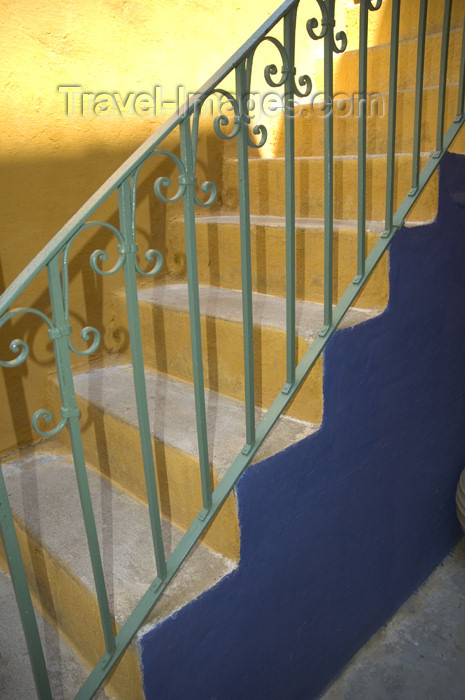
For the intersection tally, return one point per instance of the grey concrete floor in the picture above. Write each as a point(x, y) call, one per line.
point(420, 654)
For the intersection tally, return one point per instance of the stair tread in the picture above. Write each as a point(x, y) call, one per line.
point(172, 414)
point(320, 158)
point(268, 310)
point(42, 489)
point(280, 222)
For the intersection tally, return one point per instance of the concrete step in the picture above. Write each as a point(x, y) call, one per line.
point(111, 441)
point(219, 256)
point(309, 123)
point(43, 496)
point(346, 64)
point(165, 325)
point(267, 187)
point(66, 670)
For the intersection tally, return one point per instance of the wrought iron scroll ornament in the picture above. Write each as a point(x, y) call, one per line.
point(287, 68)
point(89, 334)
point(95, 258)
point(165, 182)
point(17, 346)
point(271, 70)
point(241, 110)
point(102, 256)
point(21, 349)
point(328, 23)
point(151, 255)
point(373, 6)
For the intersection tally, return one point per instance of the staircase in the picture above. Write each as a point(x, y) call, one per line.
point(40, 477)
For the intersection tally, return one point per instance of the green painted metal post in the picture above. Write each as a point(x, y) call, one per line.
point(246, 263)
point(461, 90)
point(365, 7)
point(442, 78)
point(391, 148)
point(362, 140)
point(419, 95)
point(70, 412)
point(328, 170)
point(289, 141)
point(23, 596)
point(189, 181)
point(135, 339)
point(328, 24)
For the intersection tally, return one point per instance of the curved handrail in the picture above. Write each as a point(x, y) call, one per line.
point(61, 238)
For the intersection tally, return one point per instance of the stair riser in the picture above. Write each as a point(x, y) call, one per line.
point(267, 188)
point(166, 336)
point(113, 448)
point(346, 65)
point(73, 610)
point(219, 261)
point(309, 124)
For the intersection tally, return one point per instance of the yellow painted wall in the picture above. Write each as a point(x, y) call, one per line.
point(51, 162)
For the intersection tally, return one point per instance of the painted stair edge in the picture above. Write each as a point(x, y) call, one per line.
point(111, 389)
point(268, 310)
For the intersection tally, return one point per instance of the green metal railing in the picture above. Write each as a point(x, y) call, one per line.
point(55, 257)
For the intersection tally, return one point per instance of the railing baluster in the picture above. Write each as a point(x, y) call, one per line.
point(59, 335)
point(328, 177)
point(328, 25)
point(442, 79)
point(194, 311)
point(246, 263)
point(362, 140)
point(461, 90)
point(391, 147)
point(289, 140)
point(419, 96)
point(135, 339)
point(23, 596)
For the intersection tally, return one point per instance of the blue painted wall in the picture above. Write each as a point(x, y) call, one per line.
point(338, 530)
